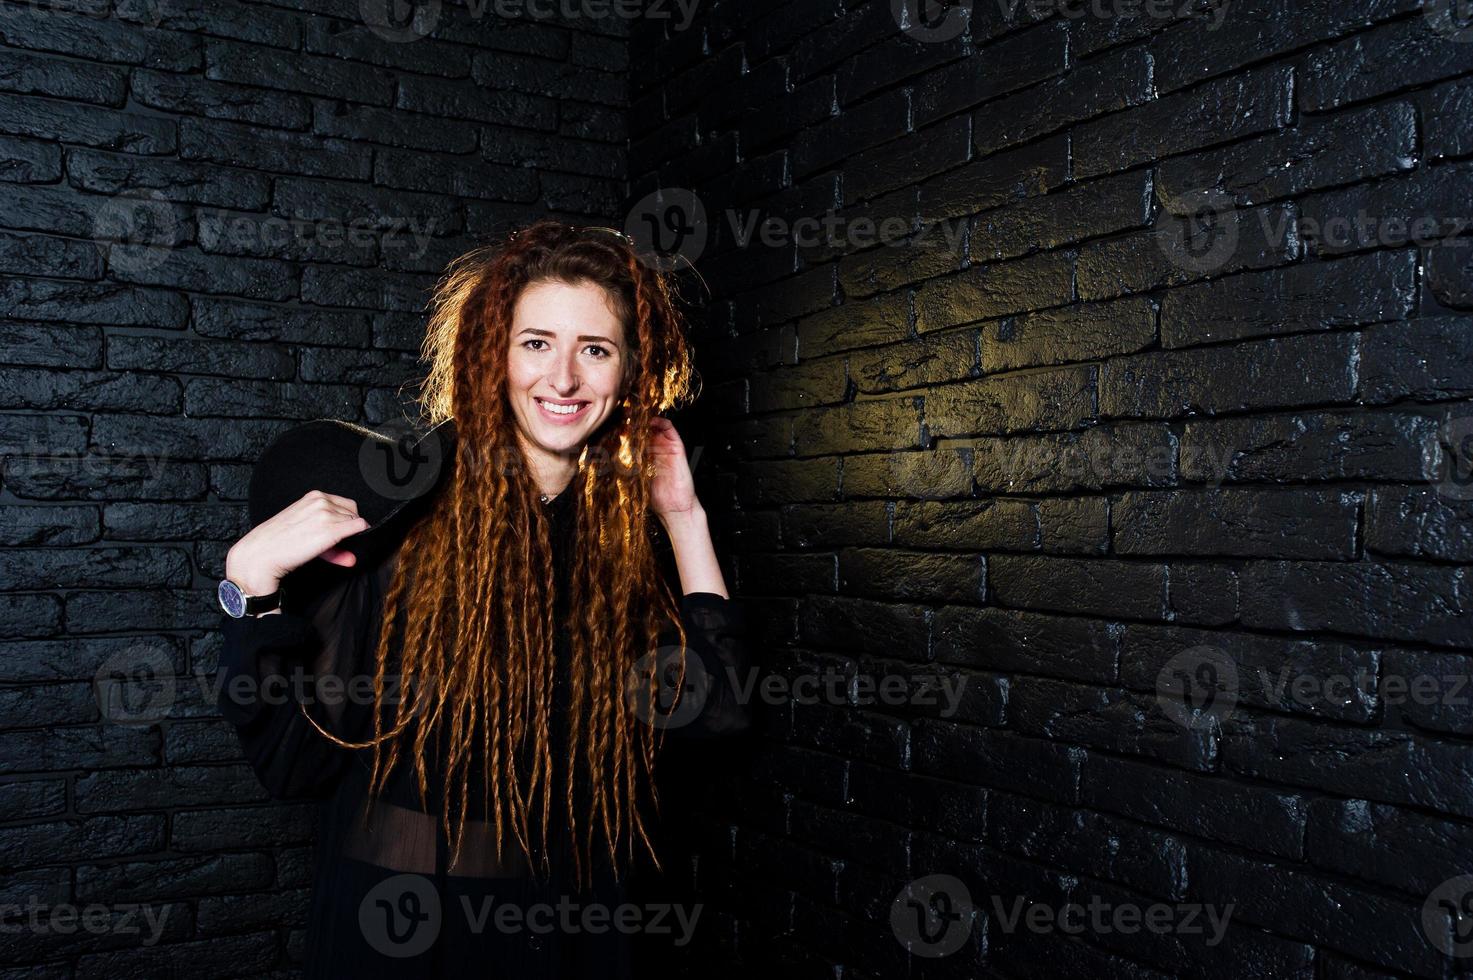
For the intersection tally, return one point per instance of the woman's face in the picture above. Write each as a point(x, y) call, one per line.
point(565, 365)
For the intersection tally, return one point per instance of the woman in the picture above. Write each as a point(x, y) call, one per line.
point(501, 765)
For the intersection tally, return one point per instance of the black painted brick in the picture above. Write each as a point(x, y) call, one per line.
point(1043, 455)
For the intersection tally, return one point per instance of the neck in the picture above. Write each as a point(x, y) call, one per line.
point(551, 472)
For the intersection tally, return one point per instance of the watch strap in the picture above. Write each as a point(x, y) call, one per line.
point(255, 605)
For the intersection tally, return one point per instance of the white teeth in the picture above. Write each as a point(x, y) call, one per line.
point(559, 409)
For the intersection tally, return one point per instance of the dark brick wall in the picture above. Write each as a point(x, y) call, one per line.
point(1114, 419)
point(208, 230)
point(1149, 418)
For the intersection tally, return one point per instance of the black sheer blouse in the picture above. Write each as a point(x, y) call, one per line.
point(386, 901)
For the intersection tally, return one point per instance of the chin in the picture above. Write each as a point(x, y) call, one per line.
point(562, 444)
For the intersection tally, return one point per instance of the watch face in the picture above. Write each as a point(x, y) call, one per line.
point(232, 600)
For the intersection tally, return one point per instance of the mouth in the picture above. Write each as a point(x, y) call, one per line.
point(561, 412)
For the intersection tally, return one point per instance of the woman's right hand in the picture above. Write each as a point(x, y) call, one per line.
point(311, 527)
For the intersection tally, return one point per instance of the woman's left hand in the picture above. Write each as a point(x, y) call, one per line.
point(673, 490)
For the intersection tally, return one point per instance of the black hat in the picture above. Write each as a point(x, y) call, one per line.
point(380, 472)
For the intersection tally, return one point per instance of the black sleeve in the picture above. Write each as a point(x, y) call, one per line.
point(308, 655)
point(719, 653)
point(720, 684)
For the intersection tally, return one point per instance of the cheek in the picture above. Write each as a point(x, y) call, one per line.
point(614, 382)
point(518, 372)
point(604, 380)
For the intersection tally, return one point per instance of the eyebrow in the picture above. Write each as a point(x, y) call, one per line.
point(548, 333)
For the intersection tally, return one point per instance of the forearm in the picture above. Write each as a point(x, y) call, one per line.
point(695, 555)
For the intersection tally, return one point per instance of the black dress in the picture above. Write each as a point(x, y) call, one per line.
point(386, 902)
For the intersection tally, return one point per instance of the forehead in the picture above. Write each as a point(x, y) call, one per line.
point(561, 307)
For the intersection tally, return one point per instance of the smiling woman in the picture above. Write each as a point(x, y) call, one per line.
point(508, 747)
point(565, 372)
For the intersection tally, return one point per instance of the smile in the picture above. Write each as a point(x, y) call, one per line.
point(561, 414)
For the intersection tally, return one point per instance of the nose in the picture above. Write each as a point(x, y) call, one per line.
point(564, 377)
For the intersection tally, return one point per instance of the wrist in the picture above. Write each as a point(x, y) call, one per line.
point(680, 520)
point(247, 574)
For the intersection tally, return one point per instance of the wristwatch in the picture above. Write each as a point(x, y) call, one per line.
point(237, 604)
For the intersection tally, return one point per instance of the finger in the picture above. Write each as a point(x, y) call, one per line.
point(348, 526)
point(339, 556)
point(331, 534)
point(313, 518)
point(337, 500)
